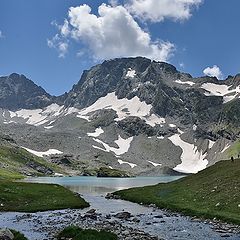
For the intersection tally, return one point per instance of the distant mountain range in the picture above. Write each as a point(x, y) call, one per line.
point(134, 114)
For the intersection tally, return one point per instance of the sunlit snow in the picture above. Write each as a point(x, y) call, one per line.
point(193, 161)
point(185, 82)
point(155, 164)
point(213, 89)
point(124, 108)
point(131, 73)
point(38, 116)
point(225, 148)
point(123, 145)
point(132, 165)
point(46, 153)
point(210, 144)
point(97, 133)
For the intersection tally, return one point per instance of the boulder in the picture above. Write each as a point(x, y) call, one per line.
point(123, 215)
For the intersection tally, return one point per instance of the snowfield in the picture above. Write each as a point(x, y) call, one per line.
point(123, 145)
point(221, 90)
point(124, 108)
point(46, 153)
point(97, 133)
point(132, 165)
point(38, 117)
point(193, 160)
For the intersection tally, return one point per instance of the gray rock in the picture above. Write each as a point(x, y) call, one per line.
point(123, 215)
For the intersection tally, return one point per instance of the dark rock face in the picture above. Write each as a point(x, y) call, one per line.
point(16, 91)
point(155, 83)
point(135, 126)
point(39, 168)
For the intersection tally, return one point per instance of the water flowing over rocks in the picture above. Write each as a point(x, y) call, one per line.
point(128, 220)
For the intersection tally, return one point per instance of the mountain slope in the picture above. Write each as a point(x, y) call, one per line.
point(15, 162)
point(133, 114)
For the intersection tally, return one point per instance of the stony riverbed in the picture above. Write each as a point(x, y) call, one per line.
point(127, 220)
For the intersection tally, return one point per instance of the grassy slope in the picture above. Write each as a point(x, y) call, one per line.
point(15, 159)
point(213, 192)
point(234, 150)
point(77, 233)
point(31, 197)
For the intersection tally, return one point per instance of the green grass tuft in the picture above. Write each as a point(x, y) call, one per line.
point(18, 235)
point(77, 233)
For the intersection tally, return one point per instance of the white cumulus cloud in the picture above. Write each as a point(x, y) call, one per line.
point(60, 44)
point(213, 71)
point(158, 10)
point(110, 34)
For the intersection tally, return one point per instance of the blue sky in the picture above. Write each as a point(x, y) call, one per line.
point(210, 36)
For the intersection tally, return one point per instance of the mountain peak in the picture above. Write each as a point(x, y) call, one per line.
point(17, 91)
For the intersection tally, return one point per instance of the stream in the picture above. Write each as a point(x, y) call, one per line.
point(145, 223)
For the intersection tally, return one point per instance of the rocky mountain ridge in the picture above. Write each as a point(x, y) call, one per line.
point(131, 113)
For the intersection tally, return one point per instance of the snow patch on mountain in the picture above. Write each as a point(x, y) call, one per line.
point(97, 133)
point(155, 164)
point(131, 73)
point(48, 127)
point(38, 117)
point(224, 91)
point(123, 145)
point(225, 148)
point(41, 154)
point(193, 160)
point(124, 108)
point(186, 82)
point(132, 165)
point(210, 144)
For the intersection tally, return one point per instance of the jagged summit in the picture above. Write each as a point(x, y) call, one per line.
point(17, 91)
